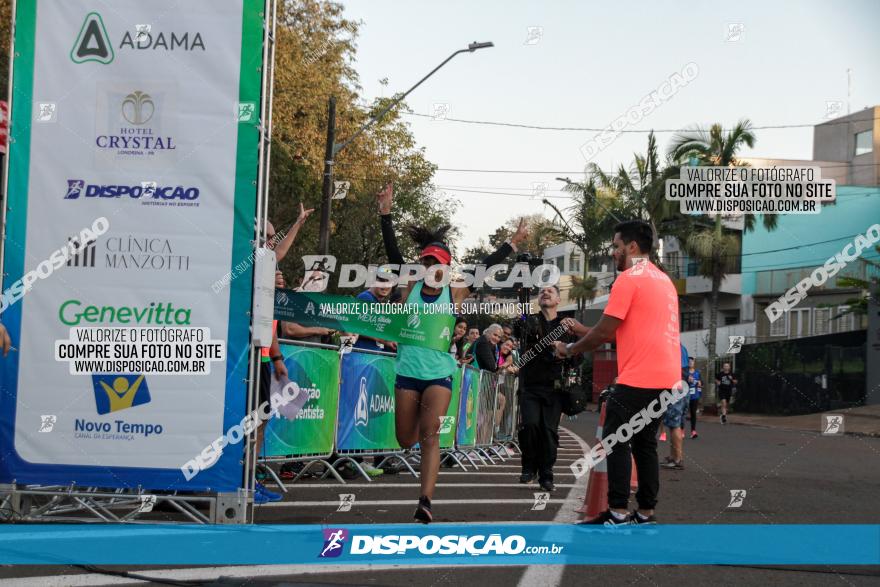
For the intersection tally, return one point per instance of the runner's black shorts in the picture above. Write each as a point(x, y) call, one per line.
point(725, 393)
point(265, 381)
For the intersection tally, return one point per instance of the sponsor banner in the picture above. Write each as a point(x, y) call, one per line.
point(316, 371)
point(466, 431)
point(433, 331)
point(139, 133)
point(441, 544)
point(448, 422)
point(366, 403)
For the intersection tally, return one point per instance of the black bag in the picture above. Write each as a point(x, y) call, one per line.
point(574, 400)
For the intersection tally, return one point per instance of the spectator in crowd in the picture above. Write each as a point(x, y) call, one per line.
point(726, 383)
point(506, 362)
point(695, 385)
point(380, 292)
point(459, 333)
point(486, 348)
point(472, 336)
point(283, 246)
point(507, 331)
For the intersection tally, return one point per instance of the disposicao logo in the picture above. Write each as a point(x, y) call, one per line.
point(334, 540)
point(119, 392)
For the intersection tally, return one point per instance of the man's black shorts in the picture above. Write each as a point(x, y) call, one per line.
point(725, 393)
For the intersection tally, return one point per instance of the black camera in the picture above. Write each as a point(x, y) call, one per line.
point(529, 259)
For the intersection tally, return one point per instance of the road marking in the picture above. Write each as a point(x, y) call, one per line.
point(394, 502)
point(541, 575)
point(415, 483)
point(204, 574)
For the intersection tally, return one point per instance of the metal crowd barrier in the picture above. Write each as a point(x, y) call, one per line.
point(350, 414)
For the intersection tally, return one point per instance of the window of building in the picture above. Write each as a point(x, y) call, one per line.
point(800, 322)
point(822, 321)
point(731, 318)
point(847, 322)
point(560, 262)
point(780, 326)
point(575, 264)
point(864, 142)
point(692, 320)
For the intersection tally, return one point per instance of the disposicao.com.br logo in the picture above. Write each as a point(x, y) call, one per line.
point(452, 544)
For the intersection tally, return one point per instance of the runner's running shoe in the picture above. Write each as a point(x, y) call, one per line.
point(423, 511)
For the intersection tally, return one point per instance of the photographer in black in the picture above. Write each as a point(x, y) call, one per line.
point(541, 387)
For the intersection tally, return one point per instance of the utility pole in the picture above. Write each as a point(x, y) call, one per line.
point(327, 186)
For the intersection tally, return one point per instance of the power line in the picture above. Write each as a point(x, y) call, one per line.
point(635, 131)
point(541, 172)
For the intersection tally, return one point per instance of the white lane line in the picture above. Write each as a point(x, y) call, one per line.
point(205, 574)
point(393, 502)
point(546, 575)
point(415, 483)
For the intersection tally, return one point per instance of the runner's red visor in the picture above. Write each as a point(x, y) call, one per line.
point(437, 252)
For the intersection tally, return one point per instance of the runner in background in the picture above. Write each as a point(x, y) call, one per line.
point(695, 384)
point(726, 383)
point(674, 420)
point(424, 376)
point(472, 336)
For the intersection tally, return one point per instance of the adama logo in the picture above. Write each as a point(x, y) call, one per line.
point(92, 43)
point(334, 540)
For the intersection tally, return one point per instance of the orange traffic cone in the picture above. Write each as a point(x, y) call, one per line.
point(596, 499)
point(634, 478)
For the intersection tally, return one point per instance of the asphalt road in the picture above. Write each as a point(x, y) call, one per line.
point(790, 477)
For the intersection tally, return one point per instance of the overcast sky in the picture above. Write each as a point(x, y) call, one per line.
point(772, 62)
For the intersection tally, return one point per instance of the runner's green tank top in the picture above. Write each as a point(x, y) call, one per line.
point(422, 363)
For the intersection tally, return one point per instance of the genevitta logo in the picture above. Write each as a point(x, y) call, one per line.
point(334, 539)
point(94, 44)
point(148, 192)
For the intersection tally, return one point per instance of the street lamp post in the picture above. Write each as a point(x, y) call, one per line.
point(333, 148)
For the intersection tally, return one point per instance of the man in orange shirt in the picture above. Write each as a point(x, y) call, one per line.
point(642, 316)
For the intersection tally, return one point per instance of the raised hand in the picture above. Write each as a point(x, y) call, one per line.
point(303, 214)
point(384, 197)
point(521, 233)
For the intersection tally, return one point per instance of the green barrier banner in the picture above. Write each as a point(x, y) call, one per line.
point(366, 403)
point(317, 371)
point(402, 323)
point(448, 425)
point(466, 431)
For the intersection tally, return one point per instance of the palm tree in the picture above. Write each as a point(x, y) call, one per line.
point(716, 250)
point(583, 289)
point(643, 188)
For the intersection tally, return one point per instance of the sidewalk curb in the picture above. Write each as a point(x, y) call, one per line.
point(753, 425)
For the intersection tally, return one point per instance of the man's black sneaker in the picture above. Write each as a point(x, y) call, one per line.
point(527, 478)
point(677, 466)
point(423, 511)
point(724, 418)
point(547, 485)
point(606, 518)
point(636, 518)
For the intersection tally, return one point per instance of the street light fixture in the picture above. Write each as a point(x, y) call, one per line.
point(333, 149)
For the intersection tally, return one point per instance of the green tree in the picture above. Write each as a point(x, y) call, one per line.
point(716, 249)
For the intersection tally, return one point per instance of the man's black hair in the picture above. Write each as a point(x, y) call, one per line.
point(636, 230)
point(425, 237)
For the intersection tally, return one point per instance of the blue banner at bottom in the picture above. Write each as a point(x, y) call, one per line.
point(488, 544)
